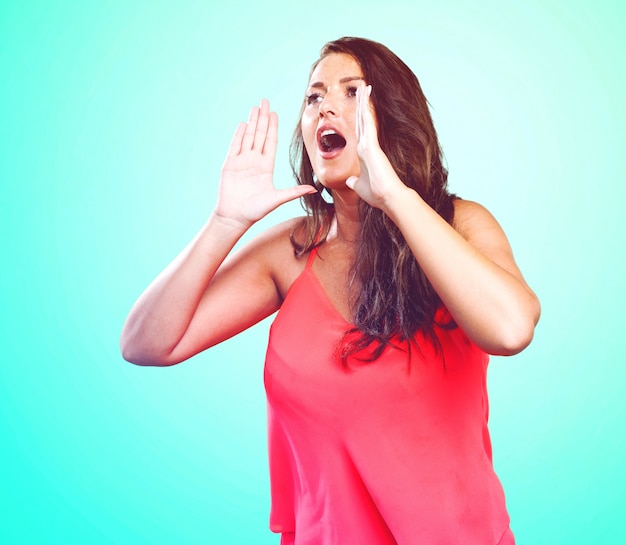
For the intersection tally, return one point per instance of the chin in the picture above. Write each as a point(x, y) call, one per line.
point(333, 184)
point(334, 179)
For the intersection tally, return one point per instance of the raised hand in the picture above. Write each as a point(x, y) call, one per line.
point(377, 180)
point(247, 192)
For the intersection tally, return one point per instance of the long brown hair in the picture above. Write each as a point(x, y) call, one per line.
point(395, 298)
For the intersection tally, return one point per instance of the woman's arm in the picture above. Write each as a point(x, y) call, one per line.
point(472, 269)
point(470, 265)
point(202, 298)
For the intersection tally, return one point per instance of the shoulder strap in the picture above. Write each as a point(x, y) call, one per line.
point(313, 251)
point(311, 257)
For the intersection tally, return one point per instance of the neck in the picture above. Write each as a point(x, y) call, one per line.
point(347, 223)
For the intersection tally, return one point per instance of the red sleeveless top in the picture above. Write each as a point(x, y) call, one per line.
point(395, 451)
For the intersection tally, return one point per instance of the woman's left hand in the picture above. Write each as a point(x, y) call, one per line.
point(378, 181)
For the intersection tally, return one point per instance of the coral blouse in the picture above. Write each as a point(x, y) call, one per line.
point(396, 451)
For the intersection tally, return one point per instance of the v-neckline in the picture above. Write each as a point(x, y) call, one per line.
point(324, 295)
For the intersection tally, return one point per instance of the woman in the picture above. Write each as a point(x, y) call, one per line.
point(389, 301)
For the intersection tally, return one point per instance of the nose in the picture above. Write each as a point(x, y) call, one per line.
point(329, 106)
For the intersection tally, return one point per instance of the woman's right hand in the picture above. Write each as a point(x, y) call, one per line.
point(199, 300)
point(247, 192)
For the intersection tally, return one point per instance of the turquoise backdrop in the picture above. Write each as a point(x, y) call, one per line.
point(115, 117)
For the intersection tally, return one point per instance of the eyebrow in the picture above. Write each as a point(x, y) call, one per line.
point(342, 80)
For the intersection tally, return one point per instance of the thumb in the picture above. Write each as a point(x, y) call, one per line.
point(351, 181)
point(293, 193)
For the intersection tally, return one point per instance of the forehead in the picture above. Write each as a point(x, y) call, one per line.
point(334, 66)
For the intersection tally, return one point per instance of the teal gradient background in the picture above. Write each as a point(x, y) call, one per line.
point(115, 118)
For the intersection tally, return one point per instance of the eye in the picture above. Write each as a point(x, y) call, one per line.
point(351, 91)
point(314, 98)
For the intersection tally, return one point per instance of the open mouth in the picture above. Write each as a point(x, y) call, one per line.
point(330, 141)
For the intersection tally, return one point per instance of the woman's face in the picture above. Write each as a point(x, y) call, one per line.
point(328, 120)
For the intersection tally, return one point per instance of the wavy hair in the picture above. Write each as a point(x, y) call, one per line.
point(394, 298)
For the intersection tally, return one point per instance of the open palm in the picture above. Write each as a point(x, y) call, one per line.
point(247, 191)
point(378, 179)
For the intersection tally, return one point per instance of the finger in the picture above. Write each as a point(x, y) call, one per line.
point(363, 105)
point(235, 143)
point(271, 141)
point(293, 193)
point(359, 113)
point(260, 132)
point(248, 137)
point(365, 110)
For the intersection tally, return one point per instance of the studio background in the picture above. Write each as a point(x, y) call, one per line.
point(115, 118)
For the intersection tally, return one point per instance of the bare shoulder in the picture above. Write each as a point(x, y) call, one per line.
point(273, 252)
point(470, 218)
point(275, 242)
point(478, 226)
point(481, 229)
